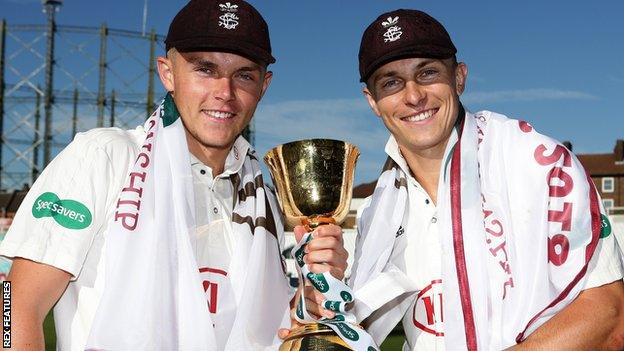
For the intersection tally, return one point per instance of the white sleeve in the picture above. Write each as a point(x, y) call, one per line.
point(68, 204)
point(606, 263)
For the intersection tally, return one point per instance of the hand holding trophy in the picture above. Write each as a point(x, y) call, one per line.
point(313, 179)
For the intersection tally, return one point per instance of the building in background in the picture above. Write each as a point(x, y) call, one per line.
point(607, 172)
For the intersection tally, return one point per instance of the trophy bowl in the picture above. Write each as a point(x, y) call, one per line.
point(314, 180)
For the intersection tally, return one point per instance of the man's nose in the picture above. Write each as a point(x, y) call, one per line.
point(223, 89)
point(414, 94)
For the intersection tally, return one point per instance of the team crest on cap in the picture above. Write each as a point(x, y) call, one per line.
point(228, 20)
point(393, 32)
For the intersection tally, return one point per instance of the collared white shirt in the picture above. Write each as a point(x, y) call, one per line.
point(92, 171)
point(421, 261)
point(214, 241)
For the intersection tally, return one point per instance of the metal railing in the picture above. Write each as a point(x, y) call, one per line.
point(56, 81)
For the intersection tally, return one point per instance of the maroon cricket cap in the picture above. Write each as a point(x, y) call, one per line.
point(229, 26)
point(402, 34)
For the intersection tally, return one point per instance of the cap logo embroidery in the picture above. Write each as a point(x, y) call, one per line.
point(228, 20)
point(393, 32)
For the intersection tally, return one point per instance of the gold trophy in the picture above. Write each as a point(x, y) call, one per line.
point(313, 179)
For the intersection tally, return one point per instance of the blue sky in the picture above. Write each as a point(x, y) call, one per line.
point(556, 64)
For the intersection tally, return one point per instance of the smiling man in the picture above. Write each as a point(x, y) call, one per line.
point(481, 234)
point(165, 237)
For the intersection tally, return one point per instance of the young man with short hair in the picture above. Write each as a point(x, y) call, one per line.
point(481, 233)
point(165, 237)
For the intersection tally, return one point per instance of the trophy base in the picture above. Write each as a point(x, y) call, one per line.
point(314, 337)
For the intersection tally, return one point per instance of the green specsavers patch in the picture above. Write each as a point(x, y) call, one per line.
point(70, 214)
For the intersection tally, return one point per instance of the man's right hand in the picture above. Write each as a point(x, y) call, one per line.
point(328, 254)
point(35, 288)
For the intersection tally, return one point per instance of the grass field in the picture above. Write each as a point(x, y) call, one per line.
point(49, 333)
point(392, 343)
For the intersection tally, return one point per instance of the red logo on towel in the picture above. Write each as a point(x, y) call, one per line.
point(129, 202)
point(211, 278)
point(427, 313)
point(497, 243)
point(525, 126)
point(560, 205)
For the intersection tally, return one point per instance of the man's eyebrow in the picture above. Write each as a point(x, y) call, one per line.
point(201, 62)
point(391, 73)
point(250, 68)
point(384, 75)
point(425, 62)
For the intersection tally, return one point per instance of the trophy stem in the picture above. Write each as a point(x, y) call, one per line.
point(312, 222)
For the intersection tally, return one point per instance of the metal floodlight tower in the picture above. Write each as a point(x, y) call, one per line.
point(50, 7)
point(53, 5)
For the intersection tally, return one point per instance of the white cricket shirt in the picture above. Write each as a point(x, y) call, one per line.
point(63, 221)
point(421, 260)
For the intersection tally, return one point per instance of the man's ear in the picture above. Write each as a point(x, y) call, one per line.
point(266, 82)
point(165, 72)
point(371, 101)
point(461, 73)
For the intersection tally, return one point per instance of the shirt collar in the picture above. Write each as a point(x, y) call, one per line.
point(236, 157)
point(392, 149)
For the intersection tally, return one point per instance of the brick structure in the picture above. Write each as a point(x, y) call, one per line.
point(607, 172)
